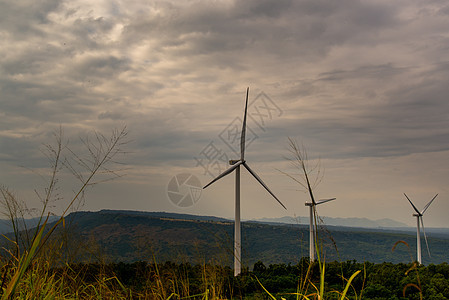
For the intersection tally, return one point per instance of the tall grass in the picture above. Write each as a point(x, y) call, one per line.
point(25, 271)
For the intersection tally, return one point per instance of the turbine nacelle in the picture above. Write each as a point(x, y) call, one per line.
point(312, 233)
point(319, 202)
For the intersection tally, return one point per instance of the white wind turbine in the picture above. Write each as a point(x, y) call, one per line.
point(418, 216)
point(236, 166)
point(300, 161)
point(312, 225)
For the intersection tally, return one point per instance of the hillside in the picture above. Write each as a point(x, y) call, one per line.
point(349, 222)
point(5, 225)
point(131, 236)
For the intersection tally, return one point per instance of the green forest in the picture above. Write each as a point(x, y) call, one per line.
point(182, 281)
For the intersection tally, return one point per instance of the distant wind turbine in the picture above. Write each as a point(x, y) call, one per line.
point(300, 160)
point(418, 216)
point(312, 226)
point(236, 166)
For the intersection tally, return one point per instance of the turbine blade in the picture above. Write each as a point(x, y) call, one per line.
point(224, 174)
point(428, 204)
point(262, 183)
point(243, 134)
point(324, 201)
point(425, 237)
point(414, 207)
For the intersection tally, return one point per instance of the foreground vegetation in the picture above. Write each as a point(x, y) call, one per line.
point(143, 280)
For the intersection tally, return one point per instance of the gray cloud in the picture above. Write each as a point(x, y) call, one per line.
point(22, 19)
point(388, 111)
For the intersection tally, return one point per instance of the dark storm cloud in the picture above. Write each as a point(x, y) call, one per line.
point(277, 27)
point(389, 111)
point(23, 18)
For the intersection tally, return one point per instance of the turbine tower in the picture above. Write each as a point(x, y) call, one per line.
point(235, 165)
point(418, 216)
point(312, 225)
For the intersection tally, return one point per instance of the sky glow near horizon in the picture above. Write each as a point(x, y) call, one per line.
point(363, 85)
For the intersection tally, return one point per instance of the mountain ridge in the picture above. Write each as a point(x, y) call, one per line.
point(349, 222)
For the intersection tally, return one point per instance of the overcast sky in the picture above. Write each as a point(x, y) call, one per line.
point(363, 85)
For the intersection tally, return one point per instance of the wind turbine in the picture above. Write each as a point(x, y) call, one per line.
point(312, 225)
point(236, 166)
point(418, 216)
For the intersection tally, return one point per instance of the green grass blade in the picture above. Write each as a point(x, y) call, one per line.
point(322, 281)
point(343, 295)
point(23, 265)
point(269, 294)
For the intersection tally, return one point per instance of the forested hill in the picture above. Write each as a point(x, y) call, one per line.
point(130, 236)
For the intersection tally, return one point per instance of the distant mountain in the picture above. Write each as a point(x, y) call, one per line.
point(349, 222)
point(165, 215)
point(130, 236)
point(6, 226)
